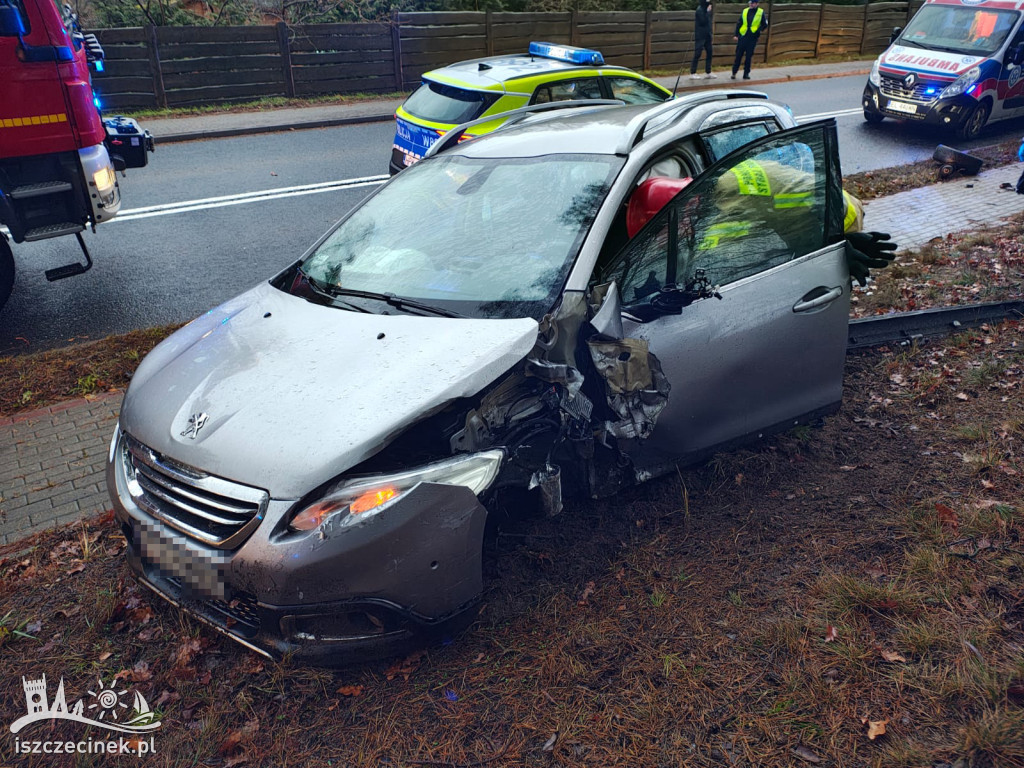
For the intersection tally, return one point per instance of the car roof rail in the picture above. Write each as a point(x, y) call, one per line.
point(662, 114)
point(451, 138)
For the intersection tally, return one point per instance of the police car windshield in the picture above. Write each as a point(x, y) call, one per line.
point(959, 29)
point(486, 238)
point(448, 104)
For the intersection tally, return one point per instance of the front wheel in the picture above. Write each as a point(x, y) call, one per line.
point(874, 118)
point(6, 270)
point(971, 127)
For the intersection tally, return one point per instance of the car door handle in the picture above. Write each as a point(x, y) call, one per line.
point(815, 300)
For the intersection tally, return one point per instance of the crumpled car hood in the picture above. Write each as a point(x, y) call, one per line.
point(296, 393)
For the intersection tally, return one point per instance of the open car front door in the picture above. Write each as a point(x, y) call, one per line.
point(741, 289)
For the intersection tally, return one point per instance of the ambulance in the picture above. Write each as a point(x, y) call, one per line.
point(956, 65)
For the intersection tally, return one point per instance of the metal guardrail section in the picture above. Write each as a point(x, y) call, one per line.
point(908, 327)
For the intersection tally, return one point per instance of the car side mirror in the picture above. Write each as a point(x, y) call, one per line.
point(895, 33)
point(11, 23)
point(1017, 55)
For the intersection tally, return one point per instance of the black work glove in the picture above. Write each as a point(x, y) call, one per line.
point(866, 251)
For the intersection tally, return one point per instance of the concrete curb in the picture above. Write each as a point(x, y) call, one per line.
point(332, 122)
point(225, 133)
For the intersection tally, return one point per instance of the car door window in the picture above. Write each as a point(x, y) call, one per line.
point(634, 91)
point(762, 206)
point(568, 90)
point(721, 143)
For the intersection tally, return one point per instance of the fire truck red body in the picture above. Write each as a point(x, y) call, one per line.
point(57, 170)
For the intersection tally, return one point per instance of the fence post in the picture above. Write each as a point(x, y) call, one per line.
point(488, 34)
point(574, 34)
point(396, 51)
point(864, 30)
point(821, 28)
point(154, 66)
point(768, 37)
point(647, 39)
point(286, 59)
point(910, 12)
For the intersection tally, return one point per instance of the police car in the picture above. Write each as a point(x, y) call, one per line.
point(477, 88)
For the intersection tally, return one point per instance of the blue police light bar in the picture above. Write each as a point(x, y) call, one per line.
point(568, 53)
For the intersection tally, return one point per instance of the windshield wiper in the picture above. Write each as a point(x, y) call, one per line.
point(398, 302)
point(327, 291)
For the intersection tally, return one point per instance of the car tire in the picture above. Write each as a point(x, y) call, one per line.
point(971, 127)
point(874, 118)
point(6, 270)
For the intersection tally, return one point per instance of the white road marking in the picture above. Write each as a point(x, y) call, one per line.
point(820, 115)
point(165, 209)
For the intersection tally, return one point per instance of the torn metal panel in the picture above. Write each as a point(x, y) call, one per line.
point(606, 307)
point(637, 389)
point(549, 481)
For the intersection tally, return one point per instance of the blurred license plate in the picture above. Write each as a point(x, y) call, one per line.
point(900, 106)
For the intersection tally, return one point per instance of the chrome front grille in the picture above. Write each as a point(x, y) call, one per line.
point(212, 510)
point(894, 88)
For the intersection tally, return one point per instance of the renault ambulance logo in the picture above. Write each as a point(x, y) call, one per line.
point(910, 80)
point(195, 422)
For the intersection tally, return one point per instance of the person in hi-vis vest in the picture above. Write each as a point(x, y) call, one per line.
point(753, 19)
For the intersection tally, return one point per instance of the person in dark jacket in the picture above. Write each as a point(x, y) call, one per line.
point(702, 39)
point(752, 20)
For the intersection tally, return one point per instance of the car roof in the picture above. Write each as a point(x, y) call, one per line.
point(501, 69)
point(602, 129)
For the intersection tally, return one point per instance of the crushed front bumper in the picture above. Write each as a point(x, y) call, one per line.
point(408, 576)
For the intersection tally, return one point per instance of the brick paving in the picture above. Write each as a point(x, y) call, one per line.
point(918, 215)
point(52, 463)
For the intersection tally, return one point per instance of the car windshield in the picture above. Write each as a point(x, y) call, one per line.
point(486, 238)
point(447, 104)
point(959, 29)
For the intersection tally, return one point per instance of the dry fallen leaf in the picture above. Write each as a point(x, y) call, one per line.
point(947, 517)
point(550, 743)
point(962, 396)
point(892, 657)
point(876, 728)
point(805, 754)
point(831, 633)
point(105, 655)
point(588, 590)
point(350, 690)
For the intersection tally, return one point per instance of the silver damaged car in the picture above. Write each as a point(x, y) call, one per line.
point(575, 303)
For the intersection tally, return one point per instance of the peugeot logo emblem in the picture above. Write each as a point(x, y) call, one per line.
point(910, 80)
point(195, 422)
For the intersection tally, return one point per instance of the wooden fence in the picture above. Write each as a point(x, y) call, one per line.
point(181, 66)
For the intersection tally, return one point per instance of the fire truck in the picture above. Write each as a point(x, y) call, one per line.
point(58, 156)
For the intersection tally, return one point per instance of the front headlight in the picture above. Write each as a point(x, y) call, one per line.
point(104, 180)
point(361, 498)
point(875, 78)
point(961, 84)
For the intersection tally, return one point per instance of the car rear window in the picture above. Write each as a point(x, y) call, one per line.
point(448, 104)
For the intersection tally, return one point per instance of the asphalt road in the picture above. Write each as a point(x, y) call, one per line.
point(179, 248)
